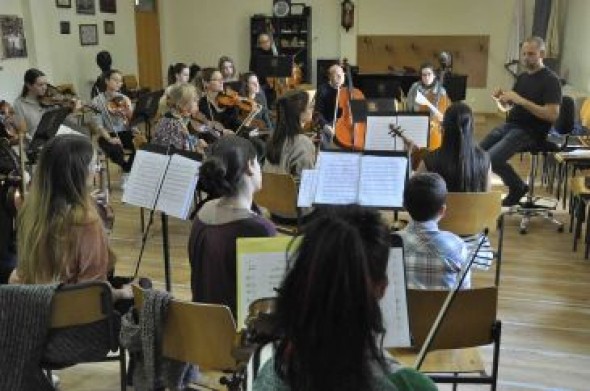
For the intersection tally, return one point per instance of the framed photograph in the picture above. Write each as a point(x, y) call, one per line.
point(88, 34)
point(108, 6)
point(12, 34)
point(109, 27)
point(86, 7)
point(64, 27)
point(63, 3)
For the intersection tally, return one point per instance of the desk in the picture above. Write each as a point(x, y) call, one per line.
point(578, 206)
point(565, 160)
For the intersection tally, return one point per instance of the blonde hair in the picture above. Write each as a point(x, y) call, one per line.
point(181, 95)
point(59, 199)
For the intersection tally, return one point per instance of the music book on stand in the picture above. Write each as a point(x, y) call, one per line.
point(415, 126)
point(375, 179)
point(169, 178)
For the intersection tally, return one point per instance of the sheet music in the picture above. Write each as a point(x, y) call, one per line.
point(144, 179)
point(177, 192)
point(382, 181)
point(338, 178)
point(394, 304)
point(415, 127)
point(307, 188)
point(378, 138)
point(261, 264)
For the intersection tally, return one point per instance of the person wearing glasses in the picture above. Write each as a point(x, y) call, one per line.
point(429, 86)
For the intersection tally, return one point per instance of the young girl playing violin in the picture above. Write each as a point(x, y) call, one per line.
point(29, 107)
point(111, 124)
point(253, 92)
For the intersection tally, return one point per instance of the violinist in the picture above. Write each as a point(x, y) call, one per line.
point(111, 123)
point(172, 129)
point(31, 104)
point(252, 91)
point(429, 86)
point(325, 100)
point(177, 74)
point(227, 67)
point(209, 106)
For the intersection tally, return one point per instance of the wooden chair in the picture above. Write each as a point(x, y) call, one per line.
point(86, 304)
point(279, 196)
point(469, 323)
point(202, 334)
point(470, 213)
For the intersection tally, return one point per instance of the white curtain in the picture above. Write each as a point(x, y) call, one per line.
point(517, 35)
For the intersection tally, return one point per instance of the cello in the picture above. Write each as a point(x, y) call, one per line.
point(437, 104)
point(348, 133)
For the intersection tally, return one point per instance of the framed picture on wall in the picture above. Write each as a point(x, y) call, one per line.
point(64, 27)
point(108, 6)
point(109, 27)
point(86, 7)
point(88, 34)
point(63, 3)
point(12, 37)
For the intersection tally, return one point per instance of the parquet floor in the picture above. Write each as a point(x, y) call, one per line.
point(544, 300)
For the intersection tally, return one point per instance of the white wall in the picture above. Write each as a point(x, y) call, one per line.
point(62, 57)
point(575, 64)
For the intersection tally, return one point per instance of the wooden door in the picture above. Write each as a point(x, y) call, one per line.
point(149, 56)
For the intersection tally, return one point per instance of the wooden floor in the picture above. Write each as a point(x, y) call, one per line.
point(544, 300)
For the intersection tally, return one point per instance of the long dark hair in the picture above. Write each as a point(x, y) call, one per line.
point(174, 70)
point(289, 109)
point(30, 77)
point(461, 162)
point(221, 173)
point(327, 308)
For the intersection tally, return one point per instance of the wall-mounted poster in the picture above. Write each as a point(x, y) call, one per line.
point(64, 27)
point(87, 7)
point(108, 6)
point(63, 3)
point(14, 44)
point(88, 34)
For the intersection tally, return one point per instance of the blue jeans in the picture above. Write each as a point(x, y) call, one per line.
point(502, 143)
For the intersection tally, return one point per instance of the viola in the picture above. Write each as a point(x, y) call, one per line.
point(231, 98)
point(348, 133)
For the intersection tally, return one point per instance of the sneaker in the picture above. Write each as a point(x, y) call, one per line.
point(513, 198)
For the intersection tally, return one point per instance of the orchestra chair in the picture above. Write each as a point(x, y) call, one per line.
point(198, 333)
point(470, 322)
point(279, 196)
point(533, 205)
point(470, 213)
point(87, 306)
point(585, 114)
point(131, 87)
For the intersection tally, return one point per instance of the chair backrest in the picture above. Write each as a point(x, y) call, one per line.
point(66, 88)
point(469, 321)
point(130, 82)
point(585, 113)
point(278, 194)
point(567, 115)
point(202, 334)
point(80, 304)
point(470, 213)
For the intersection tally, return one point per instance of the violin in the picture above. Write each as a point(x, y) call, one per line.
point(348, 133)
point(119, 106)
point(417, 154)
point(231, 98)
point(8, 121)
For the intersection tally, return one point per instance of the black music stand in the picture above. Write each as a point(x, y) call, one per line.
point(145, 109)
point(275, 66)
point(46, 130)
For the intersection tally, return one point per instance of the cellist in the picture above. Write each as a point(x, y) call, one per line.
point(428, 86)
point(325, 100)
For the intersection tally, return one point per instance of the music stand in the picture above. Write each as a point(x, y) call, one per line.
point(145, 109)
point(46, 130)
point(275, 66)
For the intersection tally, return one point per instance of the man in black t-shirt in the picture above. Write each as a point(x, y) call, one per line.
point(533, 106)
point(264, 49)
